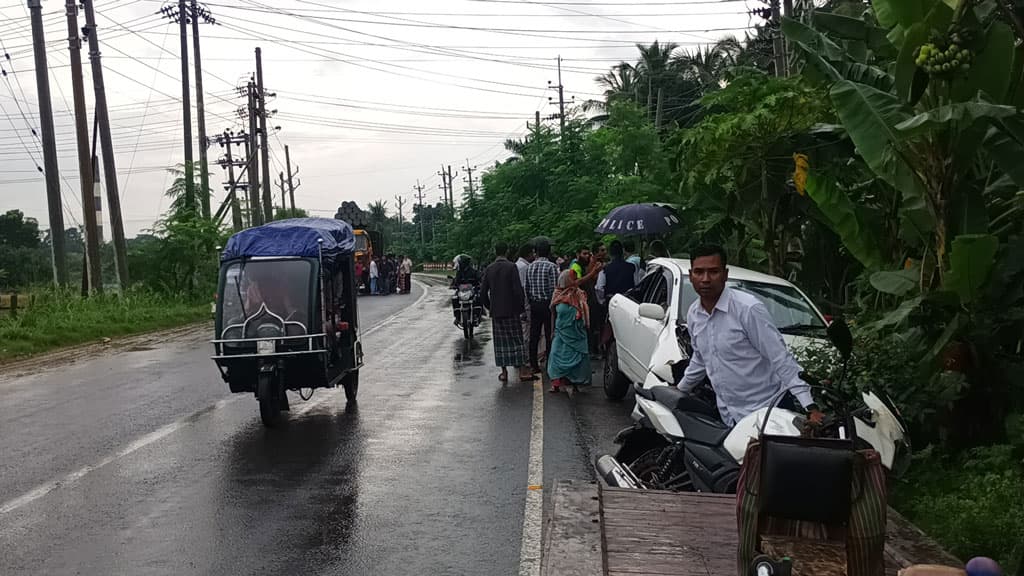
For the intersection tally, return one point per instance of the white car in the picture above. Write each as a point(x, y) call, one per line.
point(649, 322)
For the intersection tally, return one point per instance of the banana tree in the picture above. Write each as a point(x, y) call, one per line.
point(929, 92)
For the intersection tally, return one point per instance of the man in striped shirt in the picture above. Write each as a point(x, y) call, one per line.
point(541, 276)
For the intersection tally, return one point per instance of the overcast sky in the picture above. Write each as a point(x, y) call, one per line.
point(370, 95)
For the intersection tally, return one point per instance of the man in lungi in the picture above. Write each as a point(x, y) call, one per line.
point(502, 294)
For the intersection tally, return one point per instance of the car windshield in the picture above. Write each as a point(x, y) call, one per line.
point(788, 308)
point(361, 243)
point(281, 285)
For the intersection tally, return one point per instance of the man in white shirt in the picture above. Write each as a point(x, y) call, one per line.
point(374, 276)
point(405, 269)
point(736, 345)
point(526, 254)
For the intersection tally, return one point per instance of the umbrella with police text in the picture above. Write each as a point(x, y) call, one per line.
point(649, 219)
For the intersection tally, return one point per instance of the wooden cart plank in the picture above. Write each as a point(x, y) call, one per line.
point(572, 540)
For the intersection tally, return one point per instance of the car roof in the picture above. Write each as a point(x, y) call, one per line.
point(735, 272)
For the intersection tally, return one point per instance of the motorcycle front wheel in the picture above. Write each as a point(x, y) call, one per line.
point(467, 330)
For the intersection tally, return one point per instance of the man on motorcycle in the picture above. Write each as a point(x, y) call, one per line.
point(736, 345)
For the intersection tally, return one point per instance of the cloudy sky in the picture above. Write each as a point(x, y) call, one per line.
point(371, 96)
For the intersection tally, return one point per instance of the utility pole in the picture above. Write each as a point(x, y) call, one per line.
point(469, 179)
point(536, 120)
point(451, 186)
point(50, 169)
point(419, 199)
point(401, 218)
point(778, 47)
point(288, 167)
point(444, 184)
point(284, 197)
point(561, 97)
point(179, 15)
point(107, 147)
point(198, 12)
point(657, 116)
point(261, 103)
point(92, 245)
point(226, 140)
point(252, 153)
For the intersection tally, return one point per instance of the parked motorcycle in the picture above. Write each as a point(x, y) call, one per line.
point(679, 443)
point(467, 308)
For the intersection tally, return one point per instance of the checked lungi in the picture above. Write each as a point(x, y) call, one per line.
point(509, 345)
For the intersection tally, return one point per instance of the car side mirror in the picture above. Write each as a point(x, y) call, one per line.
point(841, 337)
point(652, 312)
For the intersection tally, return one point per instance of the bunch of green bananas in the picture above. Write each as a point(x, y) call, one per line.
point(939, 61)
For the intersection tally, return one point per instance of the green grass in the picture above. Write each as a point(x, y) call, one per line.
point(60, 319)
point(972, 504)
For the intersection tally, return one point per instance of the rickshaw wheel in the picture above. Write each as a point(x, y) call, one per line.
point(270, 407)
point(351, 384)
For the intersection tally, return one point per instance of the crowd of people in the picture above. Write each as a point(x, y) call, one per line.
point(558, 302)
point(385, 275)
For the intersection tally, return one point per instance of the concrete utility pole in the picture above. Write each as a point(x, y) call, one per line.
point(284, 197)
point(179, 15)
point(107, 146)
point(401, 218)
point(226, 140)
point(50, 169)
point(197, 12)
point(536, 120)
point(778, 47)
point(444, 184)
point(561, 98)
point(92, 244)
point(252, 152)
point(261, 102)
point(451, 186)
point(288, 167)
point(419, 199)
point(469, 179)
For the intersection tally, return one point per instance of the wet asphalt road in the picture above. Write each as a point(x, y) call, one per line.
point(137, 459)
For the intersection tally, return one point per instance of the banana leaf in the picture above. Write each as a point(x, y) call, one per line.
point(970, 262)
point(844, 218)
point(961, 115)
point(896, 282)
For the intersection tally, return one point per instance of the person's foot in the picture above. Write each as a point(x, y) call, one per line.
point(504, 375)
point(527, 376)
point(535, 369)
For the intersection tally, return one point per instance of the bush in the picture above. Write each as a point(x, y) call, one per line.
point(63, 318)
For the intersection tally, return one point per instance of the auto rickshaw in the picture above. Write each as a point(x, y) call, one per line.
point(286, 316)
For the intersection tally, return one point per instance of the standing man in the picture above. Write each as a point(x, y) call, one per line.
point(618, 277)
point(407, 273)
point(736, 345)
point(502, 293)
point(629, 251)
point(541, 277)
point(374, 276)
point(598, 312)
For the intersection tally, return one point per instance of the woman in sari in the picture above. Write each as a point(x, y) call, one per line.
point(569, 360)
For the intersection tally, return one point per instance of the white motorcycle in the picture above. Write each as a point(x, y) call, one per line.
point(679, 443)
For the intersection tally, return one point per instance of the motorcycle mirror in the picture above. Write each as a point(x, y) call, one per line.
point(841, 337)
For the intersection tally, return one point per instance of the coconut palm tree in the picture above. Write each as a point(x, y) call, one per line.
point(706, 66)
point(378, 213)
point(654, 68)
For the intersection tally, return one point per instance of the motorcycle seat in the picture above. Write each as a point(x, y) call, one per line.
point(701, 428)
point(667, 395)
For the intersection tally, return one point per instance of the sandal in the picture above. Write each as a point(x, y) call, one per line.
point(503, 377)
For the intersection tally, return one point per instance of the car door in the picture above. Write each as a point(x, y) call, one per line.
point(647, 331)
point(623, 313)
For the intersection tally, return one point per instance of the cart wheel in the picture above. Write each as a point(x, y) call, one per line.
point(270, 407)
point(351, 384)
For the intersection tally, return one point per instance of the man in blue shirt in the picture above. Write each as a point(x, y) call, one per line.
point(736, 345)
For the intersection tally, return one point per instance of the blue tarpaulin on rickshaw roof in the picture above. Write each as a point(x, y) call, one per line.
point(293, 237)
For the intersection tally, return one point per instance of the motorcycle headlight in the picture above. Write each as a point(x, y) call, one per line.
point(465, 294)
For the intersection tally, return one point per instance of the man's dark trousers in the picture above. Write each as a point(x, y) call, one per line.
point(540, 319)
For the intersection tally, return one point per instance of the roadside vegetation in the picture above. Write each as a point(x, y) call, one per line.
point(882, 175)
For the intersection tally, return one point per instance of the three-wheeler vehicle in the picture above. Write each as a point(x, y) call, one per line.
point(286, 314)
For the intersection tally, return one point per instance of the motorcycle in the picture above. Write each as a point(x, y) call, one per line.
point(679, 443)
point(467, 308)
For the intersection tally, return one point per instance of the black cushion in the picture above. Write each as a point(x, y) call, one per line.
point(806, 478)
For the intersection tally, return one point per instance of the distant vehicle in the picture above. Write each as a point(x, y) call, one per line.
point(286, 316)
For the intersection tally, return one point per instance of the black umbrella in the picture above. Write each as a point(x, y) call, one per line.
point(649, 219)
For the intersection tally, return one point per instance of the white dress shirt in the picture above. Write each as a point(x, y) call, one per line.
point(741, 351)
point(602, 282)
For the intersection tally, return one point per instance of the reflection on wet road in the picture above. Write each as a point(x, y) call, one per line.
point(134, 464)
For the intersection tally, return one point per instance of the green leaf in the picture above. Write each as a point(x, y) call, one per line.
point(964, 114)
point(896, 282)
point(952, 327)
point(992, 66)
point(970, 262)
point(870, 117)
point(841, 26)
point(1007, 153)
point(866, 74)
point(906, 67)
point(905, 13)
point(897, 316)
point(845, 220)
point(812, 41)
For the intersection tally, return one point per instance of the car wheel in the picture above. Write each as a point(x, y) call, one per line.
point(616, 384)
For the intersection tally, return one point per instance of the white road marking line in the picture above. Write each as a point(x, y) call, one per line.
point(529, 553)
point(44, 489)
point(139, 443)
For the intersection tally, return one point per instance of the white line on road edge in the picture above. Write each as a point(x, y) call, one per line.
point(529, 553)
point(44, 489)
